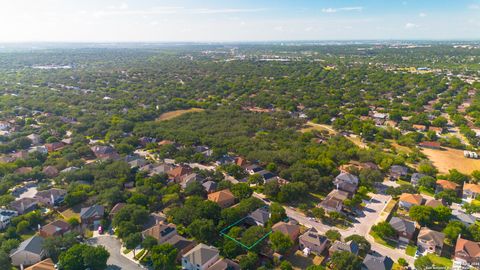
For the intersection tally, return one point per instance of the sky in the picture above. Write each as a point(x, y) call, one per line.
point(236, 20)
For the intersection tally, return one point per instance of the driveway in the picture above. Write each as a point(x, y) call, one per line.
point(116, 261)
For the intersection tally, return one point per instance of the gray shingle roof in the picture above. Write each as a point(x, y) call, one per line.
point(33, 244)
point(201, 254)
point(377, 262)
point(402, 225)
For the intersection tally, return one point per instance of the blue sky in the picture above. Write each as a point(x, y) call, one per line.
point(228, 20)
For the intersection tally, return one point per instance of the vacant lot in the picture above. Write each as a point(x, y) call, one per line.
point(173, 114)
point(319, 127)
point(449, 158)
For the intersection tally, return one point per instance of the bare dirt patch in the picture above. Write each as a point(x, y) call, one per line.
point(448, 158)
point(173, 114)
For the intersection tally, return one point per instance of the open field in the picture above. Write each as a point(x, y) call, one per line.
point(319, 127)
point(448, 158)
point(173, 114)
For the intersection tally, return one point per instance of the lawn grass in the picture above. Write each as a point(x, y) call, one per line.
point(379, 240)
point(173, 114)
point(411, 250)
point(442, 261)
point(426, 191)
point(403, 182)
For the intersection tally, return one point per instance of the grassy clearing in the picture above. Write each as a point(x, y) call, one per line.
point(410, 250)
point(450, 158)
point(442, 261)
point(173, 114)
point(310, 126)
point(388, 209)
point(73, 212)
point(379, 240)
point(426, 191)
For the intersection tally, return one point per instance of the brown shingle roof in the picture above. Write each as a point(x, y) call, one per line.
point(221, 196)
point(447, 184)
point(469, 247)
point(46, 264)
point(472, 187)
point(288, 229)
point(411, 198)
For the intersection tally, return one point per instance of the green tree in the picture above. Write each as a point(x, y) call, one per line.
point(342, 260)
point(333, 235)
point(164, 257)
point(424, 215)
point(453, 229)
point(149, 242)
point(383, 230)
point(286, 265)
point(132, 241)
point(255, 179)
point(22, 226)
point(277, 213)
point(318, 212)
point(203, 230)
point(427, 182)
point(5, 260)
point(81, 256)
point(280, 242)
point(248, 261)
point(55, 245)
point(241, 191)
point(423, 263)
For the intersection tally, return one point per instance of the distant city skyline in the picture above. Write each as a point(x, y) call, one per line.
point(236, 21)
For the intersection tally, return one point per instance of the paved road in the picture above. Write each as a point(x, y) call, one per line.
point(374, 208)
point(116, 261)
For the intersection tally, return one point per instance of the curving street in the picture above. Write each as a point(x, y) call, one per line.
point(116, 261)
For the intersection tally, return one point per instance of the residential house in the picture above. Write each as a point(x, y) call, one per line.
point(105, 152)
point(403, 228)
point(267, 176)
point(40, 149)
point(437, 130)
point(23, 170)
point(435, 203)
point(312, 242)
point(446, 185)
point(55, 146)
point(334, 201)
point(190, 178)
point(117, 207)
point(205, 150)
point(50, 171)
point(51, 197)
point(6, 216)
point(28, 252)
point(350, 246)
point(415, 177)
point(137, 163)
point(259, 217)
point(470, 191)
point(176, 173)
point(24, 205)
point(92, 215)
point(146, 140)
point(430, 241)
point(240, 161)
point(397, 172)
point(35, 138)
point(224, 264)
point(288, 229)
point(225, 159)
point(430, 145)
point(253, 169)
point(377, 261)
point(224, 198)
point(463, 217)
point(408, 200)
point(55, 228)
point(46, 264)
point(201, 257)
point(467, 254)
point(210, 186)
point(22, 154)
point(157, 169)
point(346, 182)
point(419, 127)
point(181, 244)
point(161, 231)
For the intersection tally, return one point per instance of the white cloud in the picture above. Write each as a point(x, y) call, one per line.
point(329, 10)
point(474, 6)
point(410, 25)
point(422, 14)
point(334, 10)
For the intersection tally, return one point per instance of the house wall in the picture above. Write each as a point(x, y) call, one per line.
point(26, 258)
point(189, 266)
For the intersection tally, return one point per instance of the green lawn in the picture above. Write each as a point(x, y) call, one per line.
point(410, 250)
point(442, 261)
point(403, 182)
point(426, 191)
point(379, 240)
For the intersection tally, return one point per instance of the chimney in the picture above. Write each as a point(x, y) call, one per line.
point(52, 198)
point(22, 206)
